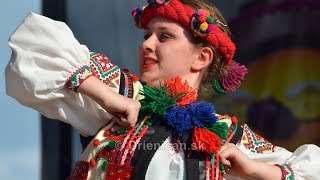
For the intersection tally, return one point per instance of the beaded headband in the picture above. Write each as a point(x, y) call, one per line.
point(203, 25)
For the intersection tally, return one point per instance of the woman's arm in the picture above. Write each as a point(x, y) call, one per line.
point(240, 165)
point(45, 56)
point(253, 157)
point(124, 110)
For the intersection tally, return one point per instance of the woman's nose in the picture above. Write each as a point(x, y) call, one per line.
point(148, 45)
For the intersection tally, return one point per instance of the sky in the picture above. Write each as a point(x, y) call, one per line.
point(20, 126)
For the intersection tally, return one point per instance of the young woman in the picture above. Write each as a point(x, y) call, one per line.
point(186, 47)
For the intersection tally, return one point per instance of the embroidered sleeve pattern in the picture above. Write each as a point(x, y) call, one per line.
point(78, 77)
point(103, 69)
point(286, 171)
point(254, 142)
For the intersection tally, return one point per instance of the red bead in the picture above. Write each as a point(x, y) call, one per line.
point(106, 133)
point(93, 162)
point(96, 142)
point(134, 78)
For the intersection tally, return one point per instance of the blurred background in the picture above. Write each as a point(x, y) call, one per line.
point(278, 40)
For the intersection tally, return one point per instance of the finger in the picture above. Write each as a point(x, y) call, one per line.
point(225, 161)
point(132, 118)
point(120, 120)
point(226, 154)
point(133, 112)
point(226, 146)
point(123, 120)
point(115, 118)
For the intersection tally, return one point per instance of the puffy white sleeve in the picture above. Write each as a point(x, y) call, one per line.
point(45, 56)
point(303, 163)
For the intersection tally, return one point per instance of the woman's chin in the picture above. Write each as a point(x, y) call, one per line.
point(152, 83)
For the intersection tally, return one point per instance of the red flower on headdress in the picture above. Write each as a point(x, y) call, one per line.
point(180, 90)
point(160, 1)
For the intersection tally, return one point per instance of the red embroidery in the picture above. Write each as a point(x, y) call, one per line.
point(116, 172)
point(80, 171)
point(254, 142)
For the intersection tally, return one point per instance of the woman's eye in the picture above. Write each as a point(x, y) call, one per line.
point(164, 36)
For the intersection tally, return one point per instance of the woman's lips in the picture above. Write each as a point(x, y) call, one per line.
point(148, 62)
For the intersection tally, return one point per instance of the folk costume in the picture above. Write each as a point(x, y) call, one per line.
point(176, 137)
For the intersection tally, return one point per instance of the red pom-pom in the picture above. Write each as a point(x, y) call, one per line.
point(205, 140)
point(93, 162)
point(180, 90)
point(203, 15)
point(107, 133)
point(234, 120)
point(134, 77)
point(96, 142)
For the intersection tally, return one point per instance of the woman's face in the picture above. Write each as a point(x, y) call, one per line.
point(166, 52)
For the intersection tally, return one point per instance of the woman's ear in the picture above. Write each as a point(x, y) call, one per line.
point(204, 58)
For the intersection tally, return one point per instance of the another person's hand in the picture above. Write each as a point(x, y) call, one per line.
point(125, 111)
point(238, 164)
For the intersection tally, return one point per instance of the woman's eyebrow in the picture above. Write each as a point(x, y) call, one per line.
point(162, 28)
point(167, 28)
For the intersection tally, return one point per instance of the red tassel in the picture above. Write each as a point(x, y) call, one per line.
point(205, 141)
point(235, 74)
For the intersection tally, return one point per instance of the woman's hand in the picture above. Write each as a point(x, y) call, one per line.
point(240, 165)
point(125, 111)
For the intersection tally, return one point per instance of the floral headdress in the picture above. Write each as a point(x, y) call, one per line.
point(203, 25)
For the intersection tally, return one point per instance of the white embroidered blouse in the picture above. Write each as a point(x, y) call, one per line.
point(45, 55)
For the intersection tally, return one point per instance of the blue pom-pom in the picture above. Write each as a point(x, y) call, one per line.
point(183, 119)
point(203, 113)
point(179, 120)
point(195, 24)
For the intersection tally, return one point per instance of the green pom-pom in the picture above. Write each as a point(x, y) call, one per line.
point(217, 87)
point(104, 165)
point(220, 128)
point(122, 131)
point(156, 101)
point(111, 145)
point(210, 20)
point(221, 167)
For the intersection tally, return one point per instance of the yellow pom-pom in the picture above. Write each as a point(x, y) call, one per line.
point(204, 26)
